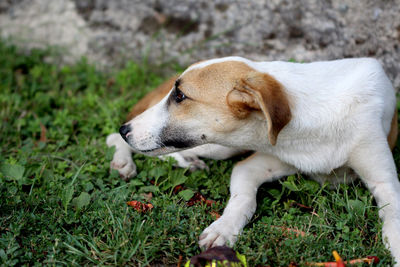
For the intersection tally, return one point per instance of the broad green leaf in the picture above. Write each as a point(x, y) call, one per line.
point(275, 193)
point(3, 255)
point(135, 182)
point(175, 179)
point(311, 186)
point(290, 186)
point(356, 206)
point(157, 172)
point(66, 196)
point(186, 194)
point(88, 186)
point(82, 201)
point(13, 172)
point(149, 188)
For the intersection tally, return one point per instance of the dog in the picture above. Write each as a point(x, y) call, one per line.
point(328, 119)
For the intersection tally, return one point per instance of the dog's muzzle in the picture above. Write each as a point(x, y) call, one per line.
point(170, 140)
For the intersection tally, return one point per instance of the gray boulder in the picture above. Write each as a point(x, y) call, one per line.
point(108, 32)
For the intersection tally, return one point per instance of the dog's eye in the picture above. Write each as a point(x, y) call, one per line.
point(178, 96)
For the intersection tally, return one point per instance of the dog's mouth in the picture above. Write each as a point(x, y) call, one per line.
point(157, 151)
point(167, 146)
point(161, 147)
point(169, 140)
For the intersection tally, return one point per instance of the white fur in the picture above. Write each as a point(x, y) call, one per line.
point(122, 159)
point(214, 151)
point(217, 60)
point(145, 134)
point(246, 177)
point(341, 116)
point(333, 105)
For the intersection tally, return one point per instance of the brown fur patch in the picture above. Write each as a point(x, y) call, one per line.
point(246, 160)
point(394, 129)
point(234, 87)
point(241, 103)
point(206, 89)
point(152, 98)
point(260, 91)
point(213, 82)
point(272, 100)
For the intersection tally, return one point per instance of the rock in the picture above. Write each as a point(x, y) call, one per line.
point(39, 24)
point(110, 32)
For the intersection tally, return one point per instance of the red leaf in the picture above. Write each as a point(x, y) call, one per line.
point(200, 198)
point(196, 199)
point(177, 189)
point(210, 202)
point(215, 214)
point(297, 232)
point(139, 206)
point(43, 132)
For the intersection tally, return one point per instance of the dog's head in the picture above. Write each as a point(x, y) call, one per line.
point(222, 101)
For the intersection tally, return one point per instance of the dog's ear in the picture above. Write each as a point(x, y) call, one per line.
point(260, 91)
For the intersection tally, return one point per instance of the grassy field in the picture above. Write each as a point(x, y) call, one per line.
point(61, 205)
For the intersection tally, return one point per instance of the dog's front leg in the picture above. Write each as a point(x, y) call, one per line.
point(122, 159)
point(373, 161)
point(189, 158)
point(246, 177)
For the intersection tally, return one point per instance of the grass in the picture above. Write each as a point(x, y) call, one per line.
point(61, 205)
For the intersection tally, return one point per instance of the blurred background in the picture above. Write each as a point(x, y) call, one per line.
point(109, 32)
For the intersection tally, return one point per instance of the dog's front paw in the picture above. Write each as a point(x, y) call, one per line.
point(221, 232)
point(196, 164)
point(124, 164)
point(187, 159)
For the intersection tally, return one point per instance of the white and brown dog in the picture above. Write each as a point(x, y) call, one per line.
point(325, 119)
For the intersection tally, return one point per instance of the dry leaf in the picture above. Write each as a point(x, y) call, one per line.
point(43, 132)
point(177, 189)
point(215, 214)
point(290, 230)
point(139, 206)
point(147, 196)
point(200, 198)
point(196, 199)
point(369, 260)
point(180, 261)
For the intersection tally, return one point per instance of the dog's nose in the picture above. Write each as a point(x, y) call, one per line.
point(124, 130)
